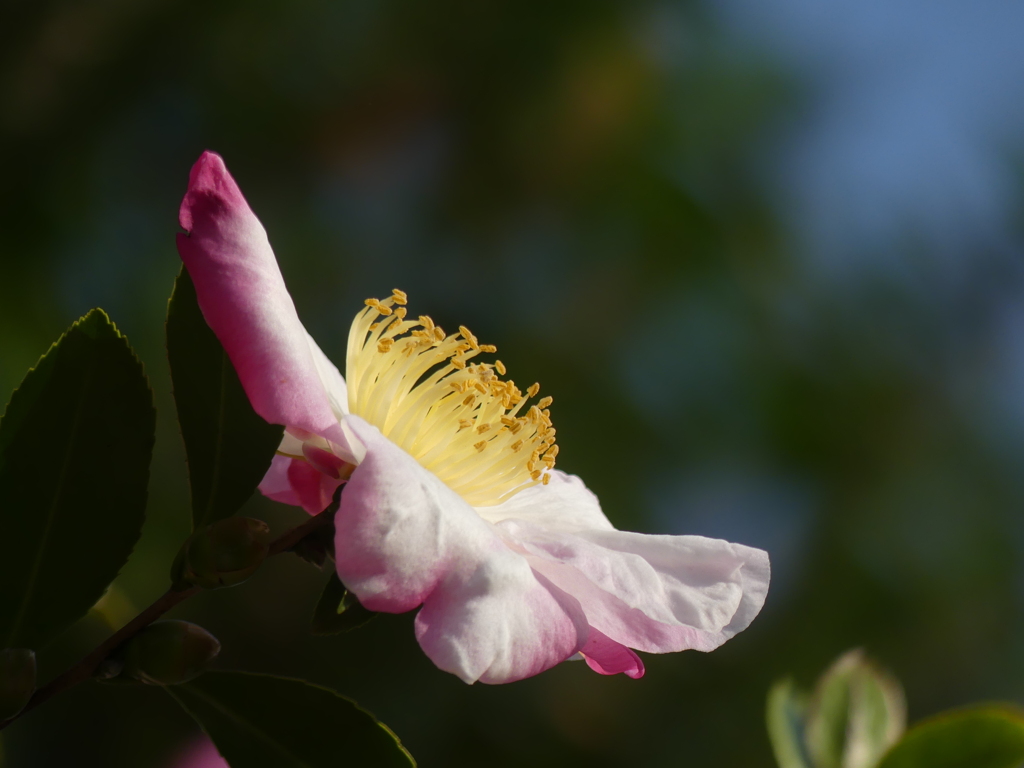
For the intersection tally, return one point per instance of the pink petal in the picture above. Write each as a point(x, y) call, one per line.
point(406, 539)
point(652, 593)
point(245, 302)
point(497, 622)
point(297, 482)
point(199, 754)
point(606, 657)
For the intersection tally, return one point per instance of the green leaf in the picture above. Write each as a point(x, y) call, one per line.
point(229, 447)
point(75, 447)
point(987, 736)
point(785, 715)
point(338, 610)
point(17, 680)
point(261, 721)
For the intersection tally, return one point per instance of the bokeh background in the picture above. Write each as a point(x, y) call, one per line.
point(766, 256)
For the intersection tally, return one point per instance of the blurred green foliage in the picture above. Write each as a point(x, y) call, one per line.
point(577, 183)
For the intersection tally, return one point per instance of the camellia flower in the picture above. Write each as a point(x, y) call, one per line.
point(452, 503)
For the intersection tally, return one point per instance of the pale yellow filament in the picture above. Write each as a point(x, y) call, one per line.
point(459, 419)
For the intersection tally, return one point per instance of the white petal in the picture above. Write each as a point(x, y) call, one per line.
point(652, 593)
point(330, 376)
point(404, 538)
point(564, 504)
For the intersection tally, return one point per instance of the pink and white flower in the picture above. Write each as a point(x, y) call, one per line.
point(452, 503)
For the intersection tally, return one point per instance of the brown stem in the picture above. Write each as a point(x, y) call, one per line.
point(85, 668)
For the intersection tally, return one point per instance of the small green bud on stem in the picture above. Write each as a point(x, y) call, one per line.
point(222, 554)
point(17, 680)
point(168, 653)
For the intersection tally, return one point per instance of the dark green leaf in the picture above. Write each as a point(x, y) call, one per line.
point(75, 447)
point(261, 721)
point(338, 610)
point(229, 447)
point(990, 736)
point(17, 680)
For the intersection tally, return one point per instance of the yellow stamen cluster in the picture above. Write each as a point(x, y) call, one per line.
point(459, 419)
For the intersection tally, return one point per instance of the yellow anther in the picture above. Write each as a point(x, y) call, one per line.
point(468, 336)
point(546, 479)
point(461, 405)
point(375, 304)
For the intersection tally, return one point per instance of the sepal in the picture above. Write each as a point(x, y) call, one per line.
point(223, 554)
point(168, 653)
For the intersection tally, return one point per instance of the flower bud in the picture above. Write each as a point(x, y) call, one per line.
point(169, 652)
point(857, 711)
point(222, 554)
point(17, 680)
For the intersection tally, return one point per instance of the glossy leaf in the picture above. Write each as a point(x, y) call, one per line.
point(75, 447)
point(989, 736)
point(785, 716)
point(229, 447)
point(338, 610)
point(261, 721)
